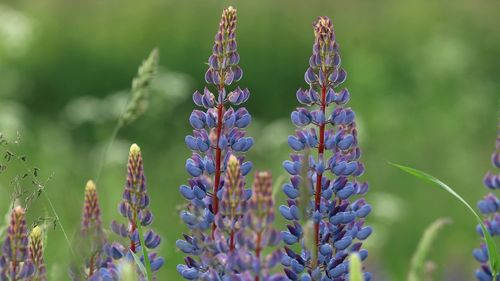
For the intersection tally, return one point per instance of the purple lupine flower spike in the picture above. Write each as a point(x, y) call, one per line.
point(94, 244)
point(36, 254)
point(135, 208)
point(233, 203)
point(219, 133)
point(15, 264)
point(91, 215)
point(490, 208)
point(332, 223)
point(259, 233)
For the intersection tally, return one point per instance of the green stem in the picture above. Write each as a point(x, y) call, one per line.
point(149, 274)
point(59, 221)
point(117, 128)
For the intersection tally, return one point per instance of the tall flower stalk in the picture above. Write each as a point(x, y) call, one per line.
point(92, 238)
point(258, 234)
point(15, 264)
point(334, 207)
point(36, 254)
point(218, 134)
point(490, 208)
point(135, 208)
point(233, 205)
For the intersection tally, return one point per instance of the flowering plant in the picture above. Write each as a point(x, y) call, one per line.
point(333, 208)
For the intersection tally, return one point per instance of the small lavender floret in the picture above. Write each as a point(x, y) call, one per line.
point(489, 207)
point(326, 214)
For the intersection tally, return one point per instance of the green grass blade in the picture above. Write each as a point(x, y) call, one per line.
point(277, 185)
point(147, 262)
point(139, 264)
point(355, 268)
point(494, 255)
point(419, 257)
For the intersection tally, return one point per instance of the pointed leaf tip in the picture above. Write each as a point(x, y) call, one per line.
point(493, 253)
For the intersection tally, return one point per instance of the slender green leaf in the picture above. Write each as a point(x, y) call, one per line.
point(277, 185)
point(355, 268)
point(419, 257)
point(139, 264)
point(147, 262)
point(494, 255)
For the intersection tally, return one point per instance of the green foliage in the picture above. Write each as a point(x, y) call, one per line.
point(139, 264)
point(417, 268)
point(494, 255)
point(355, 268)
point(138, 103)
point(28, 175)
point(278, 183)
point(147, 273)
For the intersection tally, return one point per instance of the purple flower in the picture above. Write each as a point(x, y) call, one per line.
point(135, 208)
point(490, 208)
point(215, 202)
point(36, 254)
point(233, 203)
point(91, 216)
point(92, 240)
point(325, 206)
point(15, 263)
point(258, 233)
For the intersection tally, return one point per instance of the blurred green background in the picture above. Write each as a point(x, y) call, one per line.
point(423, 77)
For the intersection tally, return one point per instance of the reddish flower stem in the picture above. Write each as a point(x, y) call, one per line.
point(14, 269)
point(258, 249)
point(319, 177)
point(132, 244)
point(14, 253)
point(231, 241)
point(218, 156)
point(91, 265)
point(132, 229)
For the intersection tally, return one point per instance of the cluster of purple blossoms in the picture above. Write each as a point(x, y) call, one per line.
point(243, 231)
point(36, 254)
point(331, 223)
point(218, 135)
point(490, 208)
point(258, 233)
point(97, 265)
point(15, 263)
point(135, 208)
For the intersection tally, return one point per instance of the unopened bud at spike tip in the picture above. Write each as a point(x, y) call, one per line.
point(135, 149)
